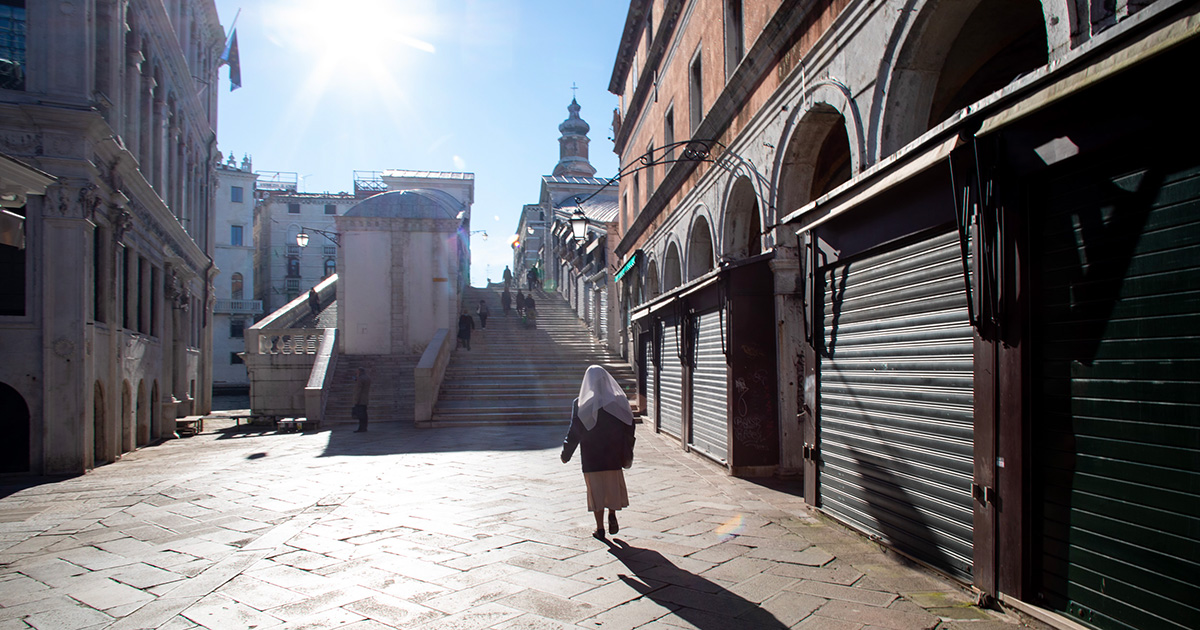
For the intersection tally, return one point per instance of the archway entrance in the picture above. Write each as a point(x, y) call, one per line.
point(14, 426)
point(99, 427)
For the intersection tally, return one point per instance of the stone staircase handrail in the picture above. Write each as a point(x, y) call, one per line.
point(316, 392)
point(285, 341)
point(297, 309)
point(429, 373)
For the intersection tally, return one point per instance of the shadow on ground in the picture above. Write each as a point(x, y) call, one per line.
point(698, 601)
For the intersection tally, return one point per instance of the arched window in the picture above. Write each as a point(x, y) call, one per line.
point(235, 286)
point(330, 267)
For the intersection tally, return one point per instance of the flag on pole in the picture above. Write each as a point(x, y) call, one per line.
point(229, 57)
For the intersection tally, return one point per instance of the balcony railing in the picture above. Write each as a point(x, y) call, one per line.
point(238, 307)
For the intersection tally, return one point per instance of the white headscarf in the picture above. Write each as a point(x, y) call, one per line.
point(601, 391)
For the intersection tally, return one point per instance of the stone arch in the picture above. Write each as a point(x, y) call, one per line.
point(100, 450)
point(237, 287)
point(700, 248)
point(951, 55)
point(142, 415)
point(15, 427)
point(127, 421)
point(652, 284)
point(672, 272)
point(817, 158)
point(155, 410)
point(743, 221)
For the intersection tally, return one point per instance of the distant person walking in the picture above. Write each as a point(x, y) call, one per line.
point(314, 301)
point(602, 425)
point(465, 326)
point(483, 314)
point(530, 312)
point(506, 301)
point(520, 305)
point(531, 277)
point(362, 393)
point(507, 277)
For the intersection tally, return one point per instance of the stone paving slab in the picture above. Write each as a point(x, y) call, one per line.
point(439, 529)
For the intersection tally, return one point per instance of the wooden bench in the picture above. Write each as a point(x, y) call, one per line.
point(189, 425)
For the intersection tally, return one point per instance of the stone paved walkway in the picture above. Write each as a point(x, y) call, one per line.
point(438, 529)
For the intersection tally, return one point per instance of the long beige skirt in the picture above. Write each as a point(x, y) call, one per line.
point(606, 489)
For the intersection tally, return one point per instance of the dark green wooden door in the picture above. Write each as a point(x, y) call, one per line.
point(1116, 407)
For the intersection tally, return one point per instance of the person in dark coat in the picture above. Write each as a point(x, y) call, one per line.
point(530, 312)
point(520, 303)
point(602, 426)
point(507, 277)
point(506, 301)
point(362, 393)
point(465, 326)
point(314, 301)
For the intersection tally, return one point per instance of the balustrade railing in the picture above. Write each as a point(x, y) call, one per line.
point(237, 307)
point(289, 340)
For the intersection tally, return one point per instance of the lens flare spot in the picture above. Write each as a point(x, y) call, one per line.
point(731, 529)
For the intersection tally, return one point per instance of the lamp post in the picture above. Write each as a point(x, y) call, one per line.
point(579, 224)
point(302, 238)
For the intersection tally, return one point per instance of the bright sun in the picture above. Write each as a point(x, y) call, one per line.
point(354, 39)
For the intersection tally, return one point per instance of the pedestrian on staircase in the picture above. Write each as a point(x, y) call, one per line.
point(465, 326)
point(530, 312)
point(362, 393)
point(507, 278)
point(520, 305)
point(483, 314)
point(602, 425)
point(506, 301)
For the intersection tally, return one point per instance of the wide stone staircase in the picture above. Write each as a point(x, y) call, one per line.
point(392, 397)
point(518, 376)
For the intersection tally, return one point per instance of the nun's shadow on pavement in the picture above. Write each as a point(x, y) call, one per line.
point(701, 602)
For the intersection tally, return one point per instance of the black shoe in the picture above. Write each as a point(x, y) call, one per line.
point(360, 430)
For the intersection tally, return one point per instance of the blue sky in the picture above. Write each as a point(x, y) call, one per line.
point(446, 85)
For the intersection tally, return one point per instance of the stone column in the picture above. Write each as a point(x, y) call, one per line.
point(131, 127)
point(146, 125)
point(68, 374)
point(789, 339)
point(158, 141)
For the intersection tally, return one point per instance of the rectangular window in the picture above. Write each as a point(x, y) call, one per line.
point(330, 250)
point(100, 273)
point(695, 93)
point(12, 277)
point(126, 316)
point(141, 295)
point(155, 291)
point(650, 173)
point(293, 208)
point(637, 194)
point(235, 235)
point(330, 208)
point(234, 359)
point(236, 326)
point(12, 45)
point(235, 194)
point(669, 135)
point(735, 42)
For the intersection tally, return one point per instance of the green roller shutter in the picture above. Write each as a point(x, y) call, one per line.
point(1116, 408)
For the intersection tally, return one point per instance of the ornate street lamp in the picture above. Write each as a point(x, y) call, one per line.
point(579, 224)
point(302, 238)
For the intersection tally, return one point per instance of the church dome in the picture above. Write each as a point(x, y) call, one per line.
point(419, 203)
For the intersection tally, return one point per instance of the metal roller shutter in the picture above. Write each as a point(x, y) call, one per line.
point(651, 382)
point(710, 387)
point(896, 401)
point(581, 307)
point(1116, 409)
point(670, 383)
point(602, 317)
